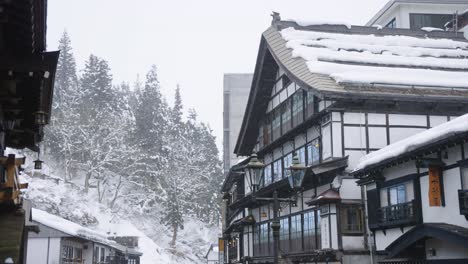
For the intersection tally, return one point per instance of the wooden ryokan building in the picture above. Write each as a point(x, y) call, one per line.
point(331, 94)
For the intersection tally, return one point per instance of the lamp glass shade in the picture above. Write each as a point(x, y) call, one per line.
point(298, 171)
point(254, 172)
point(38, 164)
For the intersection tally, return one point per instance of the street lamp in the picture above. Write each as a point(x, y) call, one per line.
point(254, 174)
point(298, 171)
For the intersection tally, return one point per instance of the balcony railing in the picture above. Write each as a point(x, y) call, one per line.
point(463, 201)
point(398, 214)
point(232, 253)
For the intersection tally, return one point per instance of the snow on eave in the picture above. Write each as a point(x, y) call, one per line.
point(401, 59)
point(443, 131)
point(71, 228)
point(317, 22)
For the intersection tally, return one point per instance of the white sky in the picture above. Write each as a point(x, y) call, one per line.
point(193, 42)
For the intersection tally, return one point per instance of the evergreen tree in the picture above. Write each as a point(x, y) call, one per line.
point(60, 142)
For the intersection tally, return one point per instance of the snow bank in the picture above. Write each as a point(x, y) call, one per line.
point(455, 126)
point(400, 59)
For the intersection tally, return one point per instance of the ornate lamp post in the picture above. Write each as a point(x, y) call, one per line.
point(254, 175)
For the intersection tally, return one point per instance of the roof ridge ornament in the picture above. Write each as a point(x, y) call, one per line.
point(276, 18)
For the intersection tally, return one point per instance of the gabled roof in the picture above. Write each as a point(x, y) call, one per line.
point(76, 230)
point(391, 3)
point(446, 232)
point(408, 147)
point(355, 62)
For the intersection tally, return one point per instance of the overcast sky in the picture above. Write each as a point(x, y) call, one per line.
point(192, 42)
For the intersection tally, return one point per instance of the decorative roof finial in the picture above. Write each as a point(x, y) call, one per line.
point(276, 17)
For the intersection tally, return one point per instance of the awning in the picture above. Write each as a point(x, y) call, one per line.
point(238, 224)
point(328, 166)
point(328, 196)
point(446, 232)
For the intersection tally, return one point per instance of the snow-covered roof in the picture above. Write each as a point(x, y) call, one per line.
point(74, 229)
point(413, 143)
point(389, 59)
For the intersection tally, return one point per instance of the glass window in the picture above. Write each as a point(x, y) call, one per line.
point(351, 219)
point(298, 108)
point(391, 24)
point(268, 176)
point(313, 152)
point(284, 229)
point(276, 124)
point(287, 161)
point(310, 239)
point(397, 194)
point(267, 131)
point(310, 104)
point(418, 21)
point(301, 153)
point(296, 227)
point(464, 172)
point(286, 116)
point(277, 170)
point(102, 255)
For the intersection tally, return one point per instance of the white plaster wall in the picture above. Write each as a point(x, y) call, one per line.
point(450, 213)
point(445, 249)
point(354, 118)
point(326, 142)
point(353, 242)
point(349, 189)
point(437, 120)
point(54, 251)
point(353, 157)
point(377, 137)
point(37, 250)
point(383, 240)
point(88, 253)
point(407, 120)
point(376, 119)
point(337, 145)
point(355, 137)
point(400, 170)
point(399, 133)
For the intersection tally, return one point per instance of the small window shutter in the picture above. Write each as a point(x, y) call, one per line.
point(373, 205)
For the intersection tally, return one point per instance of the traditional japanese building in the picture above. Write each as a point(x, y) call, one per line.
point(27, 75)
point(331, 94)
point(63, 242)
point(417, 196)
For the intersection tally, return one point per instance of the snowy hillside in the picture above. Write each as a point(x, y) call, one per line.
point(67, 200)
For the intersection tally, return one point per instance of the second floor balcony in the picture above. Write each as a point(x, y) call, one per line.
point(397, 215)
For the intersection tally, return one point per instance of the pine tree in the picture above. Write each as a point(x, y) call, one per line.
point(61, 133)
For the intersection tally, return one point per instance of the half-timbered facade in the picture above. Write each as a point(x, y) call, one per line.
point(331, 94)
point(416, 193)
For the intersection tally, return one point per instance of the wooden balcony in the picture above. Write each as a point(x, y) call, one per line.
point(463, 202)
point(398, 215)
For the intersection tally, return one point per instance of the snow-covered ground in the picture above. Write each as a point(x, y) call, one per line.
point(68, 200)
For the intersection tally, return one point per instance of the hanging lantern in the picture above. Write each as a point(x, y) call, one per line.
point(254, 172)
point(298, 171)
point(40, 118)
point(38, 162)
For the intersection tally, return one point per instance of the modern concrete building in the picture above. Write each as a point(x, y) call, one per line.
point(416, 14)
point(236, 92)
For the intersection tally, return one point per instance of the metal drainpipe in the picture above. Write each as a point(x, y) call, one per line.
point(366, 218)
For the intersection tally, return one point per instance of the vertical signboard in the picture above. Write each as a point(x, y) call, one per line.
point(435, 191)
